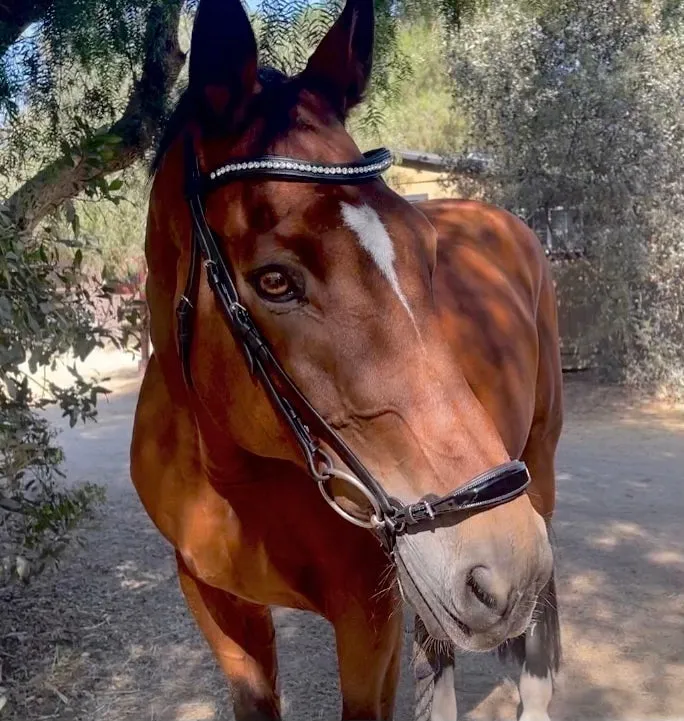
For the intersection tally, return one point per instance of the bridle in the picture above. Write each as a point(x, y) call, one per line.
point(390, 517)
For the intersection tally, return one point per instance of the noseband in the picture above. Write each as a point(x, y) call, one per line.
point(390, 517)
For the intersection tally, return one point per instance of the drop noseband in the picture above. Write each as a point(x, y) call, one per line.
point(390, 517)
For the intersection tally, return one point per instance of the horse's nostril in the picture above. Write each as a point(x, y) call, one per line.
point(490, 589)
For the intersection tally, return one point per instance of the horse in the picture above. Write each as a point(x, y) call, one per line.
point(353, 402)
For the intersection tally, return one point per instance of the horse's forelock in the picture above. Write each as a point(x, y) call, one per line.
point(274, 105)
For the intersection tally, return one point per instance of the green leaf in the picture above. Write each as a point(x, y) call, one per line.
point(116, 185)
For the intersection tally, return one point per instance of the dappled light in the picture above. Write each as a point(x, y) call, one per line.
point(113, 640)
point(411, 317)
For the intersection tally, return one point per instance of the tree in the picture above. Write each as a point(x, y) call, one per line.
point(84, 86)
point(581, 105)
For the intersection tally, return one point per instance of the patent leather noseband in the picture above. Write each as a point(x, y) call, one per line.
point(389, 517)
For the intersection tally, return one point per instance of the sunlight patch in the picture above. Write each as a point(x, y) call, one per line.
point(196, 711)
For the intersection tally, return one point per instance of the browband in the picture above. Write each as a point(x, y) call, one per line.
point(280, 168)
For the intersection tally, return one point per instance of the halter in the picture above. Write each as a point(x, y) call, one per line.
point(390, 517)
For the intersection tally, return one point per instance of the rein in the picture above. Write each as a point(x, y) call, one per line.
point(390, 517)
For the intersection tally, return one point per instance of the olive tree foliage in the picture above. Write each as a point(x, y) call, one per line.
point(581, 105)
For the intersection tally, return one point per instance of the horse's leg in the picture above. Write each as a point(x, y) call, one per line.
point(242, 637)
point(539, 652)
point(433, 668)
point(369, 657)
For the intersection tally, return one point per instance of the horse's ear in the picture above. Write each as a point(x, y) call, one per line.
point(341, 65)
point(223, 56)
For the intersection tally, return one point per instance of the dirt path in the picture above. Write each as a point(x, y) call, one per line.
point(107, 636)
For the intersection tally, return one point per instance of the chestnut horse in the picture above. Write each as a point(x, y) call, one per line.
point(308, 321)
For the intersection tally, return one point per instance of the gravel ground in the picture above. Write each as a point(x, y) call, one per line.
point(107, 637)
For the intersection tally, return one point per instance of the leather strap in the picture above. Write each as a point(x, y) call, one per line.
point(495, 486)
point(277, 167)
point(492, 488)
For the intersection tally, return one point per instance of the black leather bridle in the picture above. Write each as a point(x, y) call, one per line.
point(390, 517)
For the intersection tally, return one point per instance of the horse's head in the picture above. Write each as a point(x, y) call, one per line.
point(338, 278)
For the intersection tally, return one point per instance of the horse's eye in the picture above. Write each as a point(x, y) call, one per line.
point(275, 285)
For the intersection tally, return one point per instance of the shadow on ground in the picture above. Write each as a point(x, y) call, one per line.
point(107, 637)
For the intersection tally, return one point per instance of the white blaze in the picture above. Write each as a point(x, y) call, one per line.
point(375, 240)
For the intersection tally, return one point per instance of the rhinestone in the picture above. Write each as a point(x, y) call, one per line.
point(345, 170)
point(212, 176)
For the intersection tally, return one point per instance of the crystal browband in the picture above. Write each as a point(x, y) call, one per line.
point(373, 163)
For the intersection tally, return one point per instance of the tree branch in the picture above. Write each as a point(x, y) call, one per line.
point(136, 128)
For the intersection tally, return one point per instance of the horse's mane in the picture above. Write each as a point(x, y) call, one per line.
point(279, 95)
